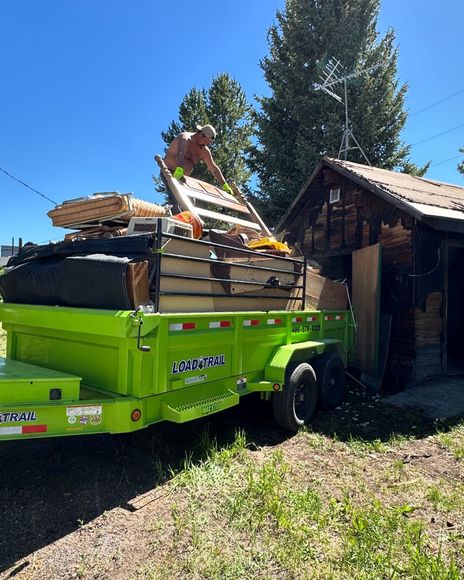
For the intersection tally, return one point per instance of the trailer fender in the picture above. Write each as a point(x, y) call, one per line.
point(274, 371)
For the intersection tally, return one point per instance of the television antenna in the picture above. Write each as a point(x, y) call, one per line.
point(332, 76)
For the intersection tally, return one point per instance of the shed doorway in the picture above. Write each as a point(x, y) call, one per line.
point(455, 311)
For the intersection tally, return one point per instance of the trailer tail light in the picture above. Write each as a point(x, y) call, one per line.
point(136, 414)
point(276, 386)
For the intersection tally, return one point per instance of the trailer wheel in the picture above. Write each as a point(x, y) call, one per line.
point(330, 373)
point(295, 405)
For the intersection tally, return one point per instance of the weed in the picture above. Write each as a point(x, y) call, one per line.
point(396, 469)
point(453, 441)
point(444, 500)
point(363, 447)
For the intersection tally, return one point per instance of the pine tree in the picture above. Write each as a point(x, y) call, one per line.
point(297, 124)
point(224, 105)
point(461, 165)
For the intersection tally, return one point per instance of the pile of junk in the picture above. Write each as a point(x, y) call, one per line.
point(209, 251)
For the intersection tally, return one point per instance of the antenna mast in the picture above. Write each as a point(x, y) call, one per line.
point(331, 77)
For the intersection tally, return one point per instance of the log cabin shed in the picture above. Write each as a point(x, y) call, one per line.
point(398, 240)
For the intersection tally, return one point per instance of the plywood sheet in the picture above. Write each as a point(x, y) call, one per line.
point(366, 306)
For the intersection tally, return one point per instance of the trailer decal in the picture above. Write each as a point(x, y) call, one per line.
point(17, 417)
point(220, 324)
point(24, 430)
point(200, 363)
point(194, 380)
point(182, 326)
point(83, 410)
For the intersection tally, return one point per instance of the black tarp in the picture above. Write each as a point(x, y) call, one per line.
point(82, 273)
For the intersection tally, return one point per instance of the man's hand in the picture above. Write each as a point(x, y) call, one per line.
point(178, 173)
point(226, 187)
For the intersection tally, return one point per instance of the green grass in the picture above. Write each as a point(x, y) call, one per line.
point(453, 441)
point(241, 514)
point(2, 342)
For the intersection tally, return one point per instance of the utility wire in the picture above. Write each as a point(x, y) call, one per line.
point(438, 135)
point(436, 103)
point(446, 160)
point(28, 186)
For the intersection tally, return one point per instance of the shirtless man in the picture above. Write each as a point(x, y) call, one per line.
point(188, 149)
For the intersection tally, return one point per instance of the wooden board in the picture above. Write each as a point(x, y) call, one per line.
point(171, 265)
point(232, 269)
point(98, 208)
point(366, 306)
point(190, 190)
point(137, 283)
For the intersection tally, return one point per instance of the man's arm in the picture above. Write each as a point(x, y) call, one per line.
point(181, 150)
point(212, 167)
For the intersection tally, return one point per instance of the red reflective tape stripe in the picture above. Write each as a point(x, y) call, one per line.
point(329, 317)
point(188, 325)
point(225, 323)
point(34, 428)
point(254, 322)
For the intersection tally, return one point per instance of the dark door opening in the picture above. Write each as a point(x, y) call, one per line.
point(455, 310)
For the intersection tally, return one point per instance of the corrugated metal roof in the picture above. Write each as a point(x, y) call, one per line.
point(439, 204)
point(410, 189)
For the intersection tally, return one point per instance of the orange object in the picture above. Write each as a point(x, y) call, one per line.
point(190, 218)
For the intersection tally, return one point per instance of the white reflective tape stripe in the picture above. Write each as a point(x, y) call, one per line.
point(11, 430)
point(298, 319)
point(215, 324)
point(175, 326)
point(339, 317)
point(311, 318)
point(250, 322)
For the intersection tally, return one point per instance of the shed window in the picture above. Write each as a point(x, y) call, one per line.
point(334, 195)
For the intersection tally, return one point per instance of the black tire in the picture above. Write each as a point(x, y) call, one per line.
point(295, 405)
point(330, 373)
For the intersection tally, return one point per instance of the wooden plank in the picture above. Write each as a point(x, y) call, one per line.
point(184, 197)
point(366, 301)
point(137, 283)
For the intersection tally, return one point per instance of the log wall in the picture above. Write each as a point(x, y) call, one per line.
point(327, 231)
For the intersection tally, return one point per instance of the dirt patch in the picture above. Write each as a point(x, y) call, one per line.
point(106, 506)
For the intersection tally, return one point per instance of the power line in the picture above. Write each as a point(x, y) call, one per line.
point(446, 160)
point(438, 135)
point(437, 103)
point(28, 186)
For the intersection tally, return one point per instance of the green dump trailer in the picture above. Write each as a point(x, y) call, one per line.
point(83, 371)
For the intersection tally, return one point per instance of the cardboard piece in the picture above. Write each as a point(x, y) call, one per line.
point(322, 293)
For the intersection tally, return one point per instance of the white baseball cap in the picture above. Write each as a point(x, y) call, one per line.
point(208, 131)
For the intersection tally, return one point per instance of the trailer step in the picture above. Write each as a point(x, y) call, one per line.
point(199, 408)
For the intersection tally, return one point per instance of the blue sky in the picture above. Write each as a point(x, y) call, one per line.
point(87, 87)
